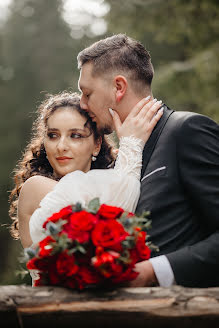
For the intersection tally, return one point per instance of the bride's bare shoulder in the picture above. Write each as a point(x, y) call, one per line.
point(37, 181)
point(34, 190)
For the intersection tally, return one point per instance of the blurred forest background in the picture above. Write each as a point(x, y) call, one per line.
point(39, 43)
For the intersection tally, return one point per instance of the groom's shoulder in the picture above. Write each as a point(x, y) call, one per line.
point(189, 119)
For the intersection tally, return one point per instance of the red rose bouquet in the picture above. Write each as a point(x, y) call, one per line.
point(89, 247)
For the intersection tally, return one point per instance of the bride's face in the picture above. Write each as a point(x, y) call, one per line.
point(69, 144)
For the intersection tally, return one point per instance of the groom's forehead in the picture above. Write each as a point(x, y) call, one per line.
point(85, 76)
point(88, 80)
point(87, 70)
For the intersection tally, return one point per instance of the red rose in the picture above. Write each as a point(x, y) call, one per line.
point(79, 225)
point(62, 214)
point(106, 263)
point(128, 275)
point(37, 264)
point(142, 249)
point(81, 236)
point(87, 276)
point(110, 270)
point(83, 221)
point(32, 264)
point(109, 233)
point(45, 246)
point(65, 264)
point(109, 212)
point(54, 277)
point(104, 258)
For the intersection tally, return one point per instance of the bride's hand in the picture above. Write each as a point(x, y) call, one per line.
point(141, 120)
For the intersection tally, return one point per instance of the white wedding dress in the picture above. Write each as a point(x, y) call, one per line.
point(119, 186)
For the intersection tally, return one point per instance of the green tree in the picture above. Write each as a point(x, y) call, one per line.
point(182, 37)
point(37, 56)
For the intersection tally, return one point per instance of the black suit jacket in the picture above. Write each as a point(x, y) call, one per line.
point(180, 186)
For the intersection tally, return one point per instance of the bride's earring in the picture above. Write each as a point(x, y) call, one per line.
point(93, 158)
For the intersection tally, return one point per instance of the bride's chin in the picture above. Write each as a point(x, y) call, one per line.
point(60, 173)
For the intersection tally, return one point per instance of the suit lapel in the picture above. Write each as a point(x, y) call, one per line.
point(151, 143)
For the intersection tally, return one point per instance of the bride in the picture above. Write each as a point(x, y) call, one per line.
point(69, 160)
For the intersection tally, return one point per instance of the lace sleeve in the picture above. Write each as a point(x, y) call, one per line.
point(129, 159)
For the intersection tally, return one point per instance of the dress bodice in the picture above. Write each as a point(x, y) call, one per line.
point(116, 187)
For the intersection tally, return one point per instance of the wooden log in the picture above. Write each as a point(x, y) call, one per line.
point(24, 306)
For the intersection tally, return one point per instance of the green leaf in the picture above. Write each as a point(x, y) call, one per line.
point(81, 249)
point(54, 228)
point(129, 242)
point(22, 273)
point(30, 252)
point(63, 242)
point(94, 205)
point(72, 250)
point(78, 207)
point(152, 246)
point(145, 214)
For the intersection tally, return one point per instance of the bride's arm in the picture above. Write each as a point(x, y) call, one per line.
point(32, 192)
point(133, 133)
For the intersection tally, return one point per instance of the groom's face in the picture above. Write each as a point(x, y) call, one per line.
point(97, 97)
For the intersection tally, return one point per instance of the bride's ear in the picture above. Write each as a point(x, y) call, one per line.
point(97, 147)
point(120, 84)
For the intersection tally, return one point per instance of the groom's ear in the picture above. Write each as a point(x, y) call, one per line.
point(120, 84)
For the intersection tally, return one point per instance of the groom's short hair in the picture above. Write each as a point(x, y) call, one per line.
point(121, 54)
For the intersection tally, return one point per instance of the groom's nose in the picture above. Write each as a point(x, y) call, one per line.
point(83, 104)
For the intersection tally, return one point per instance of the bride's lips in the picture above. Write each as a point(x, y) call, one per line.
point(63, 159)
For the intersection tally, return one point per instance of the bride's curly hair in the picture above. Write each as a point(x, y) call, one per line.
point(35, 162)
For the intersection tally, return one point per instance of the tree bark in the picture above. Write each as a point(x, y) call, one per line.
point(24, 306)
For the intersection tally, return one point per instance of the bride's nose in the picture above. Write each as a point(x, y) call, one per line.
point(62, 144)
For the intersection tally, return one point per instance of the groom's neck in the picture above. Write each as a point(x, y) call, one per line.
point(127, 104)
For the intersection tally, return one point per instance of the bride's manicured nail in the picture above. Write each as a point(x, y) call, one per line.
point(159, 102)
point(148, 97)
point(111, 111)
point(154, 100)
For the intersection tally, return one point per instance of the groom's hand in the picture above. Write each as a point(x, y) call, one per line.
point(140, 122)
point(146, 277)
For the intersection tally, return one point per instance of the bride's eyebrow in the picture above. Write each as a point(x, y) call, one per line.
point(77, 129)
point(72, 130)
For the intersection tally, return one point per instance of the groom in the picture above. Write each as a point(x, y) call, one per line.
point(180, 173)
